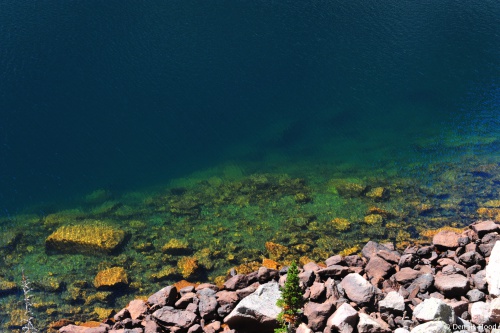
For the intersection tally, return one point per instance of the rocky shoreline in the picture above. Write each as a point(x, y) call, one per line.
point(450, 285)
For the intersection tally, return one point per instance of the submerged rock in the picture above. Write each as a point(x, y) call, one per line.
point(85, 238)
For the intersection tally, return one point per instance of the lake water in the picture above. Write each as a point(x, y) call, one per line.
point(154, 117)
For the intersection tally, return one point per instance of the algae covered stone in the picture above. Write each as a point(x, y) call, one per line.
point(85, 238)
point(111, 277)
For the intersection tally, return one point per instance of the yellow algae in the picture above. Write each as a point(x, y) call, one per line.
point(165, 273)
point(219, 281)
point(100, 296)
point(373, 218)
point(111, 277)
point(86, 238)
point(378, 194)
point(268, 263)
point(340, 224)
point(187, 266)
point(175, 245)
point(275, 250)
point(492, 204)
point(350, 250)
point(103, 313)
point(429, 233)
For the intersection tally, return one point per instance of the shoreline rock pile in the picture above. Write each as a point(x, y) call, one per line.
point(451, 285)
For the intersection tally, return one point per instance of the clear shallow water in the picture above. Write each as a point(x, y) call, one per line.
point(129, 97)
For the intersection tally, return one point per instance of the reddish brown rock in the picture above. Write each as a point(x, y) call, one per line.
point(172, 317)
point(317, 291)
point(238, 281)
point(377, 268)
point(137, 309)
point(484, 227)
point(317, 314)
point(446, 239)
point(163, 297)
point(227, 297)
point(454, 285)
point(406, 275)
point(343, 320)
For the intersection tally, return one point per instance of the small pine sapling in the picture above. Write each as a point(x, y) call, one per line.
point(291, 301)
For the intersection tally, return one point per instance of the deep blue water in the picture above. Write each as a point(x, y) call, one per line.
point(124, 94)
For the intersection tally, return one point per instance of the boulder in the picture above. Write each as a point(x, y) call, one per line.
point(406, 275)
point(258, 311)
point(137, 309)
point(493, 271)
point(344, 320)
point(111, 278)
point(393, 303)
point(317, 314)
point(238, 281)
point(368, 324)
point(484, 227)
point(163, 297)
point(86, 238)
point(377, 268)
point(446, 239)
point(453, 285)
point(480, 313)
point(168, 316)
point(207, 307)
point(434, 309)
point(357, 288)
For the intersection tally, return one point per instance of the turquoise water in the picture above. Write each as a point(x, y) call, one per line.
point(225, 125)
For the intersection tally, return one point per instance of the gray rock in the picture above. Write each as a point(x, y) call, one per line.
point(393, 302)
point(475, 295)
point(357, 288)
point(344, 320)
point(432, 327)
point(480, 313)
point(167, 316)
point(207, 307)
point(368, 324)
point(493, 271)
point(434, 309)
point(258, 311)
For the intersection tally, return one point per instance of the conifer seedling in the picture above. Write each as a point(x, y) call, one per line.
point(291, 301)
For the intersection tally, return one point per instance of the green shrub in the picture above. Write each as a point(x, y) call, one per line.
point(291, 301)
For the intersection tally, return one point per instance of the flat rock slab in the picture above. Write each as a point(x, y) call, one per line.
point(258, 311)
point(453, 285)
point(86, 238)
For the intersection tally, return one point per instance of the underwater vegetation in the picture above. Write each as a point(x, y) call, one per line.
point(86, 261)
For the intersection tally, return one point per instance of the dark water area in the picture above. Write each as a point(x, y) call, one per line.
point(126, 94)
